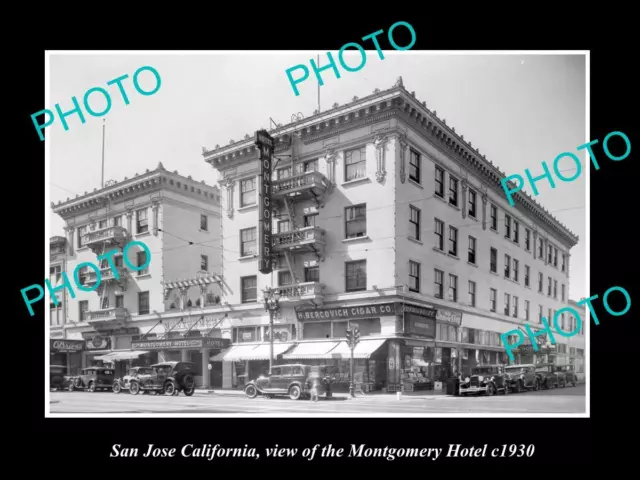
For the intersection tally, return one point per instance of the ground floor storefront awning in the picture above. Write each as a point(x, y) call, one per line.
point(312, 350)
point(118, 356)
point(240, 353)
point(363, 349)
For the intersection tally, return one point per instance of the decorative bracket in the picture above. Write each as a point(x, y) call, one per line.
point(330, 158)
point(379, 143)
point(229, 184)
point(402, 142)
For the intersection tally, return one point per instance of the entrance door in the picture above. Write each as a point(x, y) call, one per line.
point(215, 378)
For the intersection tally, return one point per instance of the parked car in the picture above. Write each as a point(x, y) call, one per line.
point(57, 378)
point(569, 373)
point(123, 383)
point(294, 380)
point(487, 379)
point(92, 379)
point(523, 377)
point(168, 378)
point(548, 377)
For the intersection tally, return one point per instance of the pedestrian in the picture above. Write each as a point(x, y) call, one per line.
point(314, 390)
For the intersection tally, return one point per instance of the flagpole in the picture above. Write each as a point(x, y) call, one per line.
point(103, 132)
point(318, 86)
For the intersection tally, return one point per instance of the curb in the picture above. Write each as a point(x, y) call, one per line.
point(383, 398)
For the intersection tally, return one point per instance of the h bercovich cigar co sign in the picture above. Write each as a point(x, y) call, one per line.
point(365, 311)
point(176, 343)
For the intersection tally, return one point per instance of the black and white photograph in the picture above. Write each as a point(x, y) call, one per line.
point(375, 233)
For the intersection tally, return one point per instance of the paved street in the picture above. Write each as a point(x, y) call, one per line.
point(567, 400)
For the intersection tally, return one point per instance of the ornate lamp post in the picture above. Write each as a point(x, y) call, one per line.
point(272, 305)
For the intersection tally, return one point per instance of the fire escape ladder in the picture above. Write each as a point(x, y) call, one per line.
point(288, 204)
point(287, 257)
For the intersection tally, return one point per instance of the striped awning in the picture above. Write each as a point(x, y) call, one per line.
point(125, 355)
point(309, 350)
point(193, 281)
point(240, 353)
point(364, 349)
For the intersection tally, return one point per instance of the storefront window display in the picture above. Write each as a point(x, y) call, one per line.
point(338, 329)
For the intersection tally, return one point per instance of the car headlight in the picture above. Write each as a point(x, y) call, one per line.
point(481, 378)
point(467, 380)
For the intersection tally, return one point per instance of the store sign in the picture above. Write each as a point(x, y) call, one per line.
point(204, 323)
point(106, 333)
point(66, 345)
point(266, 146)
point(346, 313)
point(280, 334)
point(419, 326)
point(98, 342)
point(176, 344)
point(422, 311)
point(56, 334)
point(450, 316)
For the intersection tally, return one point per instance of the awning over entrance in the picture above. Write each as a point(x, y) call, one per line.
point(312, 350)
point(126, 355)
point(364, 349)
point(107, 357)
point(240, 353)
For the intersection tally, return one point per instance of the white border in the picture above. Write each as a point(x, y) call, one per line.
point(587, 413)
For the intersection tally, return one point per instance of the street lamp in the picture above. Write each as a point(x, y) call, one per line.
point(272, 305)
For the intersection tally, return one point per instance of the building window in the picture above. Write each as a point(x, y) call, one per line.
point(472, 203)
point(494, 217)
point(527, 239)
point(312, 274)
point(540, 282)
point(453, 241)
point(142, 223)
point(249, 288)
point(494, 260)
point(311, 166)
point(472, 293)
point(104, 304)
point(119, 301)
point(81, 232)
point(117, 221)
point(414, 166)
point(414, 276)
point(439, 231)
point(539, 313)
point(555, 289)
point(284, 226)
point(562, 325)
point(453, 190)
point(143, 303)
point(507, 301)
point(555, 257)
point(564, 259)
point(526, 310)
point(493, 299)
point(83, 307)
point(472, 250)
point(540, 249)
point(356, 221)
point(248, 192)
point(515, 307)
point(102, 224)
point(507, 226)
point(516, 267)
point(549, 289)
point(550, 317)
point(516, 231)
point(284, 278)
point(248, 242)
point(204, 224)
point(563, 292)
point(507, 266)
point(527, 270)
point(355, 164)
point(549, 253)
point(414, 220)
point(142, 259)
point(438, 291)
point(439, 182)
point(453, 288)
point(204, 263)
point(283, 173)
point(356, 275)
point(310, 220)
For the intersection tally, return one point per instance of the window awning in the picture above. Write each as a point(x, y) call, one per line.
point(107, 357)
point(261, 352)
point(128, 355)
point(310, 350)
point(240, 353)
point(364, 349)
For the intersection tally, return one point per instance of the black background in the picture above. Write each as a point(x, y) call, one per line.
point(83, 445)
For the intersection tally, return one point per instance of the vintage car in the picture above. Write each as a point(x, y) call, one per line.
point(168, 378)
point(569, 374)
point(487, 379)
point(120, 384)
point(294, 380)
point(57, 379)
point(548, 377)
point(523, 377)
point(92, 379)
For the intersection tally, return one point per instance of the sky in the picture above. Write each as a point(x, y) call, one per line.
point(517, 109)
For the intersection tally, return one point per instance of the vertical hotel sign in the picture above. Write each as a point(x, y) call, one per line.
point(265, 144)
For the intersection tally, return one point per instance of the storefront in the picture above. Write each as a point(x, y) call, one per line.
point(195, 349)
point(67, 353)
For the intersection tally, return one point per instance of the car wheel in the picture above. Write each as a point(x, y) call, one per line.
point(295, 392)
point(491, 390)
point(71, 388)
point(134, 388)
point(251, 391)
point(116, 387)
point(518, 386)
point(92, 387)
point(169, 388)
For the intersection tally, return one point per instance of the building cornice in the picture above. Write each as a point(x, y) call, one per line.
point(141, 184)
point(394, 102)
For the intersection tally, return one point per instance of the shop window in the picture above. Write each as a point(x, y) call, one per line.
point(339, 329)
point(315, 330)
point(246, 334)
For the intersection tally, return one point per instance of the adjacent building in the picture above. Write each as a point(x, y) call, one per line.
point(385, 218)
point(139, 315)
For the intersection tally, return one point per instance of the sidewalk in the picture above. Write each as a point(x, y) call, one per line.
point(378, 396)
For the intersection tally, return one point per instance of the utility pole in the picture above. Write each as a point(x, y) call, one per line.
point(353, 337)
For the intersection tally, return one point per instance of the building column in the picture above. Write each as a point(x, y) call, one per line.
point(129, 216)
point(184, 355)
point(69, 231)
point(206, 375)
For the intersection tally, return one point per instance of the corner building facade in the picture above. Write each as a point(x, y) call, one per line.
point(386, 218)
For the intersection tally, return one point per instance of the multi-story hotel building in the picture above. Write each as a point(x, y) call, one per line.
point(386, 217)
point(158, 313)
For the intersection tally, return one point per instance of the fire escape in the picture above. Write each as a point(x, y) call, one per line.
point(289, 195)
